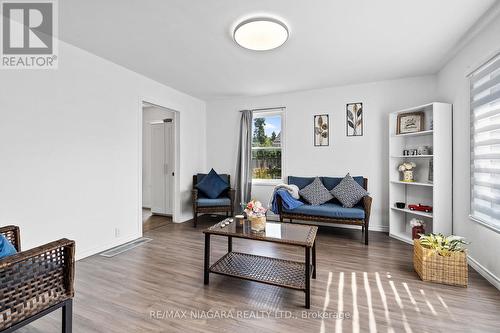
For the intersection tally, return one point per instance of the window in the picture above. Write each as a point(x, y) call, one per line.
point(267, 140)
point(485, 143)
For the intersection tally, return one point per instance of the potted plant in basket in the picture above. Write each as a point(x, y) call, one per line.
point(441, 259)
point(256, 213)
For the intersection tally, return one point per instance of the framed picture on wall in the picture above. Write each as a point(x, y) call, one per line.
point(410, 122)
point(354, 119)
point(321, 130)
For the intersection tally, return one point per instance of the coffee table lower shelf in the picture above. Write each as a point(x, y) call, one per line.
point(273, 271)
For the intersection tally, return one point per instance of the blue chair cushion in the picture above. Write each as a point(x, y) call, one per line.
point(6, 248)
point(301, 182)
point(212, 185)
point(207, 202)
point(332, 210)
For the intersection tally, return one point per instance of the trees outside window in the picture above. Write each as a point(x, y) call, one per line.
point(267, 146)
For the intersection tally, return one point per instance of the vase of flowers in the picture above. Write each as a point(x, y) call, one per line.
point(256, 214)
point(417, 228)
point(407, 169)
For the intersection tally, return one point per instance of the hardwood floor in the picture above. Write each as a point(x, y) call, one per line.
point(374, 286)
point(150, 221)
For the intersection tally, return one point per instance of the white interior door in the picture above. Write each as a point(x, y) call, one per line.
point(169, 165)
point(162, 167)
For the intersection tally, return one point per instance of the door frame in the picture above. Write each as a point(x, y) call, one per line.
point(176, 186)
point(171, 157)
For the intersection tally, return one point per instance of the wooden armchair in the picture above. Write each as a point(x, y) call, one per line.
point(36, 282)
point(223, 204)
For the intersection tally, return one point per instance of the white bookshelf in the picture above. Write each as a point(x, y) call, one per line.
point(437, 193)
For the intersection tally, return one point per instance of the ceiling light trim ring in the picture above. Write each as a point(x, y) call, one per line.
point(261, 19)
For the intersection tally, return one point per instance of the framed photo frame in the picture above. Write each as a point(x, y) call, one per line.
point(410, 122)
point(354, 119)
point(321, 130)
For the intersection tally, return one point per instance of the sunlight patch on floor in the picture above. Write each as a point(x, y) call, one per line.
point(340, 303)
point(386, 305)
point(371, 316)
point(428, 303)
point(327, 299)
point(383, 297)
point(410, 296)
point(401, 306)
point(445, 306)
point(355, 311)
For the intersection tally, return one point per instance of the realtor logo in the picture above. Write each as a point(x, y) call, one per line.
point(28, 35)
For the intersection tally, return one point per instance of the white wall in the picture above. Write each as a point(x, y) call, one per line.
point(366, 155)
point(453, 88)
point(70, 150)
point(150, 114)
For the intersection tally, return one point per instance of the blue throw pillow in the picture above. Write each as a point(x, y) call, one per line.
point(212, 185)
point(6, 248)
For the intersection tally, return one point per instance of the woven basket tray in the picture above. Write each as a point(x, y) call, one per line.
point(430, 266)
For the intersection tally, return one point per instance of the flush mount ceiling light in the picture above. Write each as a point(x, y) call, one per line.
point(261, 34)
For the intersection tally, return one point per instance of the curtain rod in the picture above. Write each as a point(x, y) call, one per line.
point(265, 109)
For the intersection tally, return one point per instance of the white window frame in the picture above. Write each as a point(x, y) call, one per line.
point(266, 113)
point(495, 226)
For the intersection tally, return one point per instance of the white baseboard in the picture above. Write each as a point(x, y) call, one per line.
point(101, 248)
point(379, 227)
point(484, 272)
point(183, 218)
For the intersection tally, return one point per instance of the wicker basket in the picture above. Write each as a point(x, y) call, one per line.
point(430, 266)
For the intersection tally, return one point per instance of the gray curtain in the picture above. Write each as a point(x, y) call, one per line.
point(243, 177)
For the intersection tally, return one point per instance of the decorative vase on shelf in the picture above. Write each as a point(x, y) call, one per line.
point(415, 231)
point(407, 169)
point(408, 176)
point(418, 227)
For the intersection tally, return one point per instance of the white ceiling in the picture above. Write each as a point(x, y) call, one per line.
point(187, 44)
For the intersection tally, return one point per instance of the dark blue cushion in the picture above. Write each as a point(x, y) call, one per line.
point(6, 248)
point(331, 182)
point(301, 182)
point(212, 185)
point(200, 176)
point(330, 210)
point(206, 202)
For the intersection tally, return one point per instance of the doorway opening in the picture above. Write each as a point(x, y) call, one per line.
point(159, 154)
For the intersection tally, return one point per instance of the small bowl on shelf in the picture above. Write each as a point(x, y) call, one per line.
point(400, 205)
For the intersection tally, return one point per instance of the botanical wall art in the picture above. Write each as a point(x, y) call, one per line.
point(354, 119)
point(321, 130)
point(410, 122)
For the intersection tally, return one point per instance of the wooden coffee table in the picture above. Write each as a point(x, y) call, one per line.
point(278, 272)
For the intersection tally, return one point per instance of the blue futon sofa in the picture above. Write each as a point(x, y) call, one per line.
point(332, 211)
